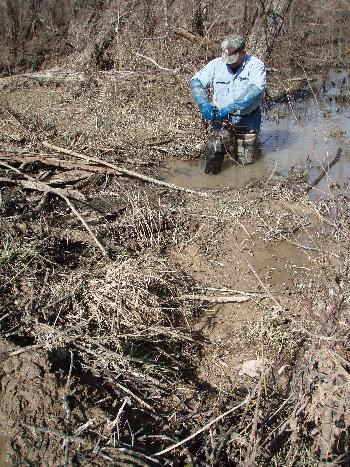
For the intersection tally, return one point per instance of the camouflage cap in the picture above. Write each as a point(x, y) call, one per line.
point(231, 46)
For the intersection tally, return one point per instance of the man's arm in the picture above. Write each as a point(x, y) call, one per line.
point(254, 92)
point(198, 85)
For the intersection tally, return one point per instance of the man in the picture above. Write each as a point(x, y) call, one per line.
point(237, 81)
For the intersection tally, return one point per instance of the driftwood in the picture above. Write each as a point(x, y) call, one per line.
point(326, 166)
point(130, 173)
point(33, 184)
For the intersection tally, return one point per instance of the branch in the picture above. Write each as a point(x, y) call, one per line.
point(326, 166)
point(130, 173)
point(44, 159)
point(57, 433)
point(197, 39)
point(206, 427)
point(33, 184)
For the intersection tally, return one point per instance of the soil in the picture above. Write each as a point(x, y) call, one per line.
point(267, 242)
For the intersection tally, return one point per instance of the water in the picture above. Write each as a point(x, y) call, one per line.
point(293, 136)
point(5, 450)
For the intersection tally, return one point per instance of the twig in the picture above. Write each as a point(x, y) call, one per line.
point(206, 298)
point(263, 286)
point(124, 459)
point(50, 431)
point(130, 173)
point(206, 427)
point(156, 64)
point(251, 453)
point(115, 422)
point(227, 290)
point(6, 315)
point(41, 186)
point(112, 382)
point(25, 349)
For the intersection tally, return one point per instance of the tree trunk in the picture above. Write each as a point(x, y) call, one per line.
point(165, 17)
point(268, 20)
point(197, 18)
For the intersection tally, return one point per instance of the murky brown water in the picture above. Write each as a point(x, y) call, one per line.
point(301, 134)
point(5, 451)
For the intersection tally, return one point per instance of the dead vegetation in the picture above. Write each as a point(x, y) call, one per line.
point(142, 324)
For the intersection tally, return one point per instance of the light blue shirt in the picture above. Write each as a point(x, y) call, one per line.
point(228, 85)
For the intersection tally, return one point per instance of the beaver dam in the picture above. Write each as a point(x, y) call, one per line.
point(200, 324)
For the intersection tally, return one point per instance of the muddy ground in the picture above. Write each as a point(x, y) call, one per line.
point(119, 341)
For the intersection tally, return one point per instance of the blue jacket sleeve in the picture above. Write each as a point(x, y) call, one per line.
point(198, 92)
point(244, 103)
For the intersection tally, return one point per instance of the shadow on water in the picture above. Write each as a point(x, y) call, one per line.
point(297, 135)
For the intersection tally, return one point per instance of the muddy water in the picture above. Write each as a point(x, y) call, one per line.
point(5, 451)
point(293, 136)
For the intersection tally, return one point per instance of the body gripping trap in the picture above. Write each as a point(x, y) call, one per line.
point(239, 143)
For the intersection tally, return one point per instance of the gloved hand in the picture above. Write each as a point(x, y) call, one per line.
point(208, 111)
point(225, 111)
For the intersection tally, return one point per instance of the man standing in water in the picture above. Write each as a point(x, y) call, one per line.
point(237, 82)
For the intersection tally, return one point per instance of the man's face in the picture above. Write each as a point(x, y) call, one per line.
point(233, 57)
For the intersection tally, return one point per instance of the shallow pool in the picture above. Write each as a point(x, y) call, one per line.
point(294, 136)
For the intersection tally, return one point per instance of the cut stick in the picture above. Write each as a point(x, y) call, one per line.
point(206, 298)
point(326, 166)
point(130, 173)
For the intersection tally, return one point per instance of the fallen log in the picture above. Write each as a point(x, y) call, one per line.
point(326, 166)
point(130, 173)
